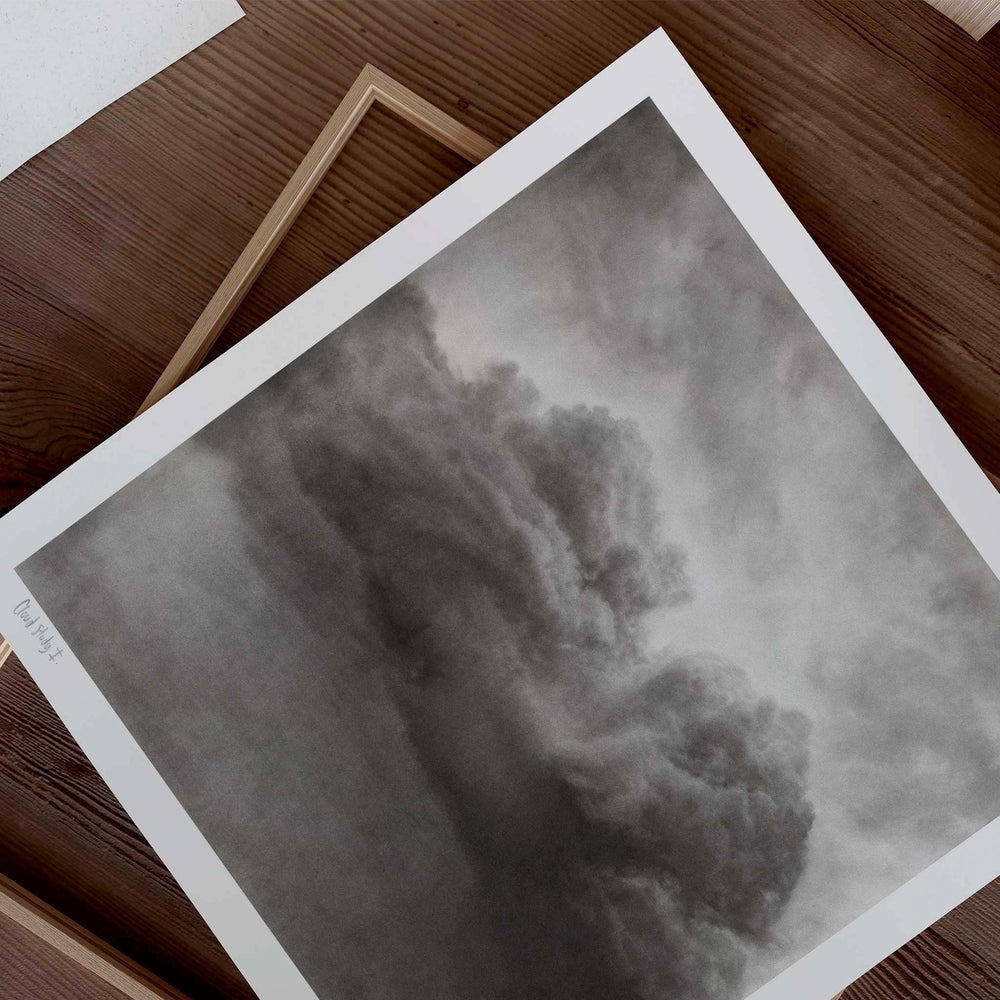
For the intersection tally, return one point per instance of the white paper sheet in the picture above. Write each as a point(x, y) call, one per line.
point(62, 61)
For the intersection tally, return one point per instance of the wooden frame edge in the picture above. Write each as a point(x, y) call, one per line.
point(371, 85)
point(976, 17)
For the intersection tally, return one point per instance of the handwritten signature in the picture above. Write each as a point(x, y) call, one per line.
point(24, 611)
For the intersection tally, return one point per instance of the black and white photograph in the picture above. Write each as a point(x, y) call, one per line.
point(565, 624)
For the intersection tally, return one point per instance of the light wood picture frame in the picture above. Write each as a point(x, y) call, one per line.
point(372, 86)
point(977, 17)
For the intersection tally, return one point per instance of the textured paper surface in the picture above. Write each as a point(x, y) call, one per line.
point(62, 61)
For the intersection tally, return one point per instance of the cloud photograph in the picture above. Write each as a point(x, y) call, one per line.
point(566, 624)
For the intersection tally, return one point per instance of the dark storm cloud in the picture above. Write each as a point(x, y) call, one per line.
point(633, 817)
point(644, 257)
point(812, 506)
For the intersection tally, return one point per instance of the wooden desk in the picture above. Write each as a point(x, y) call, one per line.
point(878, 122)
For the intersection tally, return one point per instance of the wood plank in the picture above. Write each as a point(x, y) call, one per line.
point(878, 121)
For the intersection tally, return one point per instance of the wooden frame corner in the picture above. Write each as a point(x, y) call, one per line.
point(371, 86)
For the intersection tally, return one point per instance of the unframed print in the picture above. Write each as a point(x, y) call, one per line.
point(565, 624)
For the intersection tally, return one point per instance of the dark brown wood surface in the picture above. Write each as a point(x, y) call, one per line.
point(878, 122)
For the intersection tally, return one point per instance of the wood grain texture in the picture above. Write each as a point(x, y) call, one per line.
point(80, 946)
point(878, 122)
point(31, 969)
point(65, 837)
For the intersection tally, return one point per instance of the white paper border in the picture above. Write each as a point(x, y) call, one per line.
point(655, 69)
